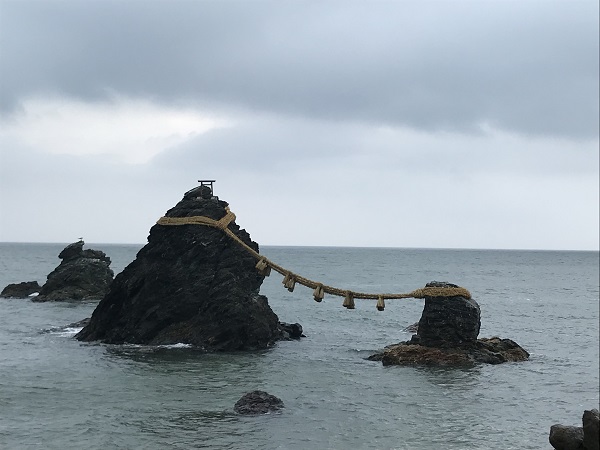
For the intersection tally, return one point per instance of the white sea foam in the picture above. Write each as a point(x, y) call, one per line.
point(178, 345)
point(34, 294)
point(69, 331)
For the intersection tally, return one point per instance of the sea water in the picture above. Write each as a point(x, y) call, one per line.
point(58, 393)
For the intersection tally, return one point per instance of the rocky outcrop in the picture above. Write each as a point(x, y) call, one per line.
point(81, 275)
point(447, 335)
point(564, 437)
point(486, 350)
point(20, 290)
point(257, 402)
point(591, 429)
point(448, 321)
point(190, 284)
point(291, 330)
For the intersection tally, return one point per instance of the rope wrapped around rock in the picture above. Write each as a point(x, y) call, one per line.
point(264, 266)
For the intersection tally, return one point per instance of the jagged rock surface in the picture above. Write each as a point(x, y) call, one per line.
point(20, 290)
point(190, 284)
point(258, 402)
point(81, 275)
point(447, 335)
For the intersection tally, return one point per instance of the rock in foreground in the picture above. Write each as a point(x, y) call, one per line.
point(190, 284)
point(81, 275)
point(257, 402)
point(20, 290)
point(564, 437)
point(447, 335)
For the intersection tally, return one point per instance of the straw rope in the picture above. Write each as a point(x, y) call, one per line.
point(264, 266)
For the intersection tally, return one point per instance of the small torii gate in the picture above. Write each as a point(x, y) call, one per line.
point(208, 183)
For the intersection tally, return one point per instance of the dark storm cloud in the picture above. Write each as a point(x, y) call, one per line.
point(530, 67)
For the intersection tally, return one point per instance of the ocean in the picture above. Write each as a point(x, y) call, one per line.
point(58, 393)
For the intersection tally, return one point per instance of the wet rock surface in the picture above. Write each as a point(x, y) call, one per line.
point(81, 275)
point(586, 437)
point(258, 402)
point(591, 429)
point(20, 290)
point(447, 335)
point(566, 437)
point(448, 321)
point(190, 284)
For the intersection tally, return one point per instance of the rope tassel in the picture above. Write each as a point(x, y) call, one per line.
point(319, 293)
point(263, 267)
point(349, 300)
point(289, 282)
point(380, 303)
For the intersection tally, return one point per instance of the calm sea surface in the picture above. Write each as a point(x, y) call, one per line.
point(58, 393)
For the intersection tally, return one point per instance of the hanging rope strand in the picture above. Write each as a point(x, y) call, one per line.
point(264, 266)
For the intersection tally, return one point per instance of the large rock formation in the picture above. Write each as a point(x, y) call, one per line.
point(81, 275)
point(447, 335)
point(190, 284)
point(21, 290)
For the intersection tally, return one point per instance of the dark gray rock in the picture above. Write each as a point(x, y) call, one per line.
point(203, 192)
point(258, 402)
point(291, 330)
point(486, 350)
point(591, 431)
point(566, 437)
point(190, 284)
point(80, 323)
point(414, 328)
point(81, 275)
point(448, 321)
point(20, 290)
point(447, 334)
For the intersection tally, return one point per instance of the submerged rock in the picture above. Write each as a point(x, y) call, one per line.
point(20, 290)
point(257, 402)
point(81, 275)
point(190, 284)
point(447, 335)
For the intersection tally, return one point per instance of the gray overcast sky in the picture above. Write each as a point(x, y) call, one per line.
point(470, 124)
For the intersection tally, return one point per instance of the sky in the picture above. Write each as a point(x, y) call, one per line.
point(429, 124)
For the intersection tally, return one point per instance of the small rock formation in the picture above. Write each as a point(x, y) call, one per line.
point(257, 402)
point(447, 335)
point(20, 290)
point(591, 429)
point(190, 284)
point(563, 437)
point(81, 275)
point(291, 330)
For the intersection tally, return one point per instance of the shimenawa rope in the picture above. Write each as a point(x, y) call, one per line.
point(264, 267)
